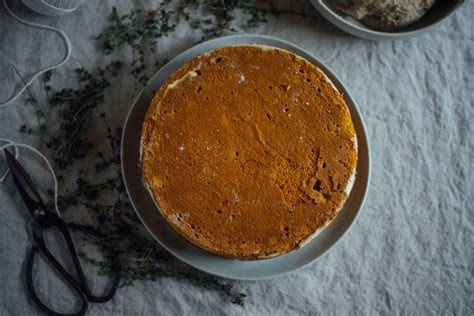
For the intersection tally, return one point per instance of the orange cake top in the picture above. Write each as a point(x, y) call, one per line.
point(248, 151)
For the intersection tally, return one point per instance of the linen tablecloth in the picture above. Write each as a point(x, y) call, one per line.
point(410, 251)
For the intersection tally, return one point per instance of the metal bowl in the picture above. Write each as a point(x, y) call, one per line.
point(438, 13)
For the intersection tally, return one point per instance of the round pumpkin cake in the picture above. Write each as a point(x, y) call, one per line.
point(248, 151)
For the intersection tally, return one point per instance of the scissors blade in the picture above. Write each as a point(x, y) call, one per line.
point(26, 187)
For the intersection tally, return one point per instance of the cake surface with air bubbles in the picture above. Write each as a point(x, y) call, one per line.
point(248, 151)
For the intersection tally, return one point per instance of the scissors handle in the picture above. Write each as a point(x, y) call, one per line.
point(80, 286)
point(63, 272)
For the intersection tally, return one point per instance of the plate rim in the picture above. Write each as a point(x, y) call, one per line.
point(249, 39)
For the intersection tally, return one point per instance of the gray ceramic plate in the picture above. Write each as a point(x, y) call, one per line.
point(194, 256)
point(438, 13)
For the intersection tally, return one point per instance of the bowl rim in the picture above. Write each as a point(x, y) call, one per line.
point(367, 33)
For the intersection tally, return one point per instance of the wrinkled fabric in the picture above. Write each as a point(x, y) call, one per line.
point(410, 250)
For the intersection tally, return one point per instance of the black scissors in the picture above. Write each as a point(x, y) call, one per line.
point(44, 219)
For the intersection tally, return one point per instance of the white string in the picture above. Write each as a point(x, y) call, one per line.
point(42, 71)
point(11, 143)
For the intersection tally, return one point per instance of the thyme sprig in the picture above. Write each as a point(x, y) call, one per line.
point(40, 115)
point(130, 45)
point(75, 110)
